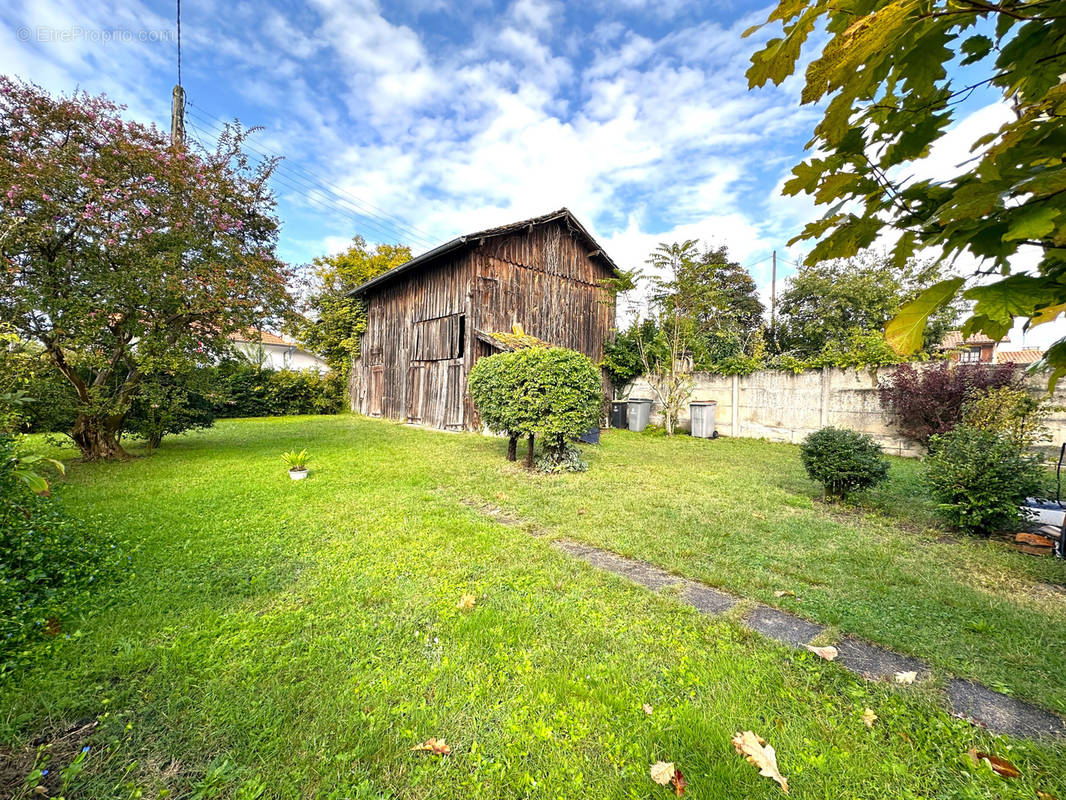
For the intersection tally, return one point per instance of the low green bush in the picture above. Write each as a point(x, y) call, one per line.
point(565, 459)
point(49, 562)
point(1010, 411)
point(170, 403)
point(242, 390)
point(843, 461)
point(980, 478)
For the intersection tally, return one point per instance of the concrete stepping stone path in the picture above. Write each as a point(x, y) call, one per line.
point(997, 712)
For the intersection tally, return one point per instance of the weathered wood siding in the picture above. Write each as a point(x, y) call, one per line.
point(421, 338)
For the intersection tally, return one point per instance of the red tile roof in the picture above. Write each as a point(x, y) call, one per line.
point(1027, 356)
point(256, 336)
point(954, 339)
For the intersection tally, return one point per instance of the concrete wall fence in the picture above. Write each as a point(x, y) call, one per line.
point(786, 406)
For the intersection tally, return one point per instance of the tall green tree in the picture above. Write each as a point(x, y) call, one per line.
point(123, 255)
point(884, 81)
point(732, 305)
point(332, 321)
point(826, 305)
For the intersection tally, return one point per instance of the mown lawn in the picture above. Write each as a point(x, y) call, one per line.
point(296, 639)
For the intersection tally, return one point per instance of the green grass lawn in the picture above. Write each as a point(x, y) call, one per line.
point(296, 639)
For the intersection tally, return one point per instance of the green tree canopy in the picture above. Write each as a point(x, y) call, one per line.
point(124, 255)
point(830, 303)
point(883, 77)
point(333, 321)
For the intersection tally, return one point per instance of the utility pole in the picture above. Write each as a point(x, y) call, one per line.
point(177, 116)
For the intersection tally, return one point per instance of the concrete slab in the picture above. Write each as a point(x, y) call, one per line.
point(708, 600)
point(1000, 713)
point(782, 626)
point(875, 663)
point(636, 571)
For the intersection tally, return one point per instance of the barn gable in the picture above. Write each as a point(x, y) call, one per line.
point(428, 319)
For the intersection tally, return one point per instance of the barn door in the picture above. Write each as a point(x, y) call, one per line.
point(416, 389)
point(377, 390)
point(453, 410)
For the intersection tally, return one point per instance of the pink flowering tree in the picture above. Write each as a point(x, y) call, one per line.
point(122, 255)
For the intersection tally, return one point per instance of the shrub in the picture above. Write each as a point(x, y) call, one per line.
point(243, 390)
point(547, 392)
point(170, 403)
point(1010, 411)
point(843, 461)
point(980, 478)
point(929, 401)
point(49, 562)
point(566, 459)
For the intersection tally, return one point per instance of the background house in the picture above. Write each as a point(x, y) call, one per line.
point(429, 320)
point(979, 349)
point(276, 352)
point(975, 349)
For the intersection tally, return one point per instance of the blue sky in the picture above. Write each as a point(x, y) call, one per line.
point(421, 120)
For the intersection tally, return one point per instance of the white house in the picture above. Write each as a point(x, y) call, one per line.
point(276, 352)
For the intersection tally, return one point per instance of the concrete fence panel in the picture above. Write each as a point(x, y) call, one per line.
point(786, 406)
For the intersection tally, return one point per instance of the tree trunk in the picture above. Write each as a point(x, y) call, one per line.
point(512, 448)
point(97, 437)
point(529, 453)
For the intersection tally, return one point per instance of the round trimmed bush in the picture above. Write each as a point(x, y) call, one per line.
point(550, 393)
point(843, 461)
point(980, 479)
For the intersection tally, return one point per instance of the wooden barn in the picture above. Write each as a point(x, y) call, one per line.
point(429, 320)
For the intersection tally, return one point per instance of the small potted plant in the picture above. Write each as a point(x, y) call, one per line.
point(297, 463)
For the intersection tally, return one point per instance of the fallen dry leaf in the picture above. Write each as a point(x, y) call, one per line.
point(828, 652)
point(662, 772)
point(647, 709)
point(1000, 766)
point(436, 746)
point(1045, 796)
point(905, 677)
point(466, 602)
point(761, 755)
point(784, 593)
point(678, 782)
point(869, 717)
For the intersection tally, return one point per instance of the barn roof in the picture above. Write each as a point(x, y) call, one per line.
point(431, 256)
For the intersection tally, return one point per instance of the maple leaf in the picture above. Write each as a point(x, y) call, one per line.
point(828, 653)
point(647, 709)
point(761, 755)
point(466, 602)
point(869, 717)
point(905, 677)
point(999, 765)
point(678, 782)
point(433, 745)
point(662, 772)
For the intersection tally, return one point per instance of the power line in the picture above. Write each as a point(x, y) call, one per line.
point(397, 222)
point(296, 184)
point(384, 224)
